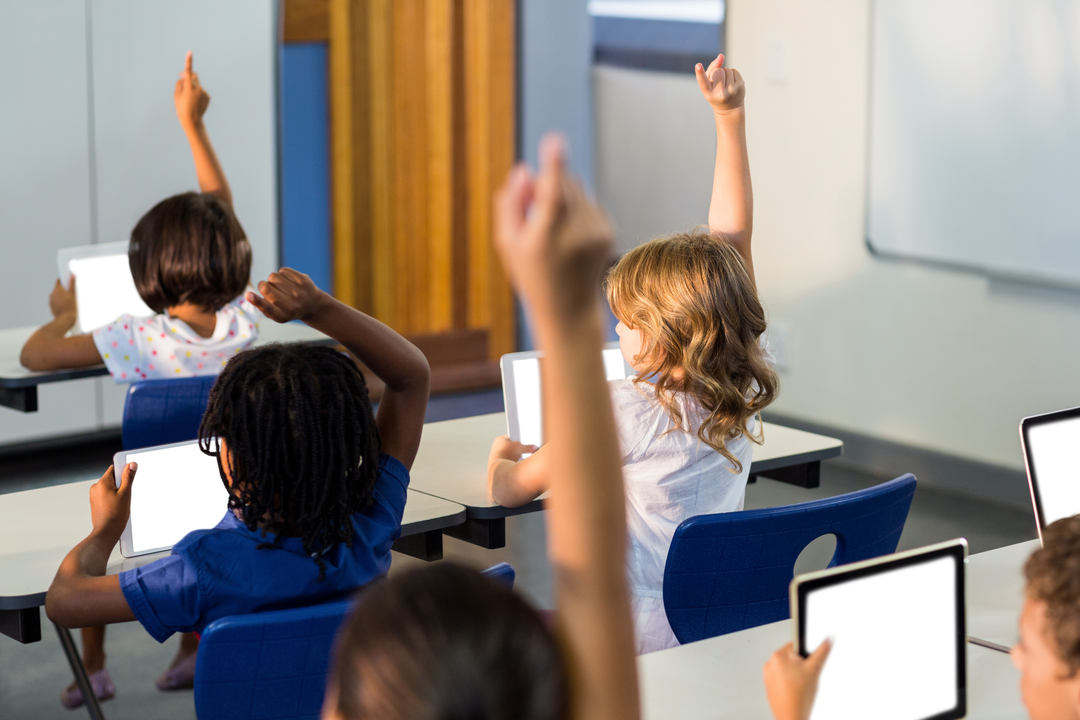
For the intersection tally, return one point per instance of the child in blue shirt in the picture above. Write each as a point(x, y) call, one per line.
point(316, 482)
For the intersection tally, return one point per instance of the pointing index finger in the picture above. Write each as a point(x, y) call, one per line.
point(187, 62)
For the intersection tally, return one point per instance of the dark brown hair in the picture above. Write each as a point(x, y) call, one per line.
point(1053, 577)
point(442, 642)
point(701, 322)
point(189, 248)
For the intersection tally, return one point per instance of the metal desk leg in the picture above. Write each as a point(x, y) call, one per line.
point(93, 707)
point(425, 545)
point(807, 475)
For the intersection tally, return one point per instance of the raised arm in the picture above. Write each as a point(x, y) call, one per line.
point(191, 101)
point(291, 295)
point(731, 210)
point(81, 594)
point(555, 256)
point(49, 348)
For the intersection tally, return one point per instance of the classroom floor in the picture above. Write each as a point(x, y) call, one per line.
point(31, 676)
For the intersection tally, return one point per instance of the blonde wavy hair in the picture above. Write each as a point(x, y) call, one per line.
point(692, 298)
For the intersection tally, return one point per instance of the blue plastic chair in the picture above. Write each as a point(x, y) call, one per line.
point(274, 664)
point(731, 571)
point(159, 412)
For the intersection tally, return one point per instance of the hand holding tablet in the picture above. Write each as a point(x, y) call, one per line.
point(105, 288)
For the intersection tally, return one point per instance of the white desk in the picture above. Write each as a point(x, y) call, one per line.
point(453, 455)
point(18, 386)
point(995, 593)
point(722, 678)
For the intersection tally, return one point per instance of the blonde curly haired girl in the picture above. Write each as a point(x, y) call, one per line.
point(692, 326)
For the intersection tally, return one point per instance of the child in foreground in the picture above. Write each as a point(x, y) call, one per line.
point(191, 264)
point(316, 483)
point(1047, 656)
point(442, 641)
point(692, 327)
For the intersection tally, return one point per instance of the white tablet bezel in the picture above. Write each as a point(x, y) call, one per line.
point(119, 463)
point(956, 549)
point(64, 256)
point(1029, 463)
point(506, 367)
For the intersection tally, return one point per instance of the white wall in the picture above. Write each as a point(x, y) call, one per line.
point(934, 358)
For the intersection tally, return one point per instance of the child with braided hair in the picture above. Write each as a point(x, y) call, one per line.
point(316, 481)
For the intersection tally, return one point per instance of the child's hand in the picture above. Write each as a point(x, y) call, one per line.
point(190, 98)
point(110, 506)
point(287, 295)
point(62, 300)
point(722, 87)
point(791, 681)
point(553, 240)
point(506, 449)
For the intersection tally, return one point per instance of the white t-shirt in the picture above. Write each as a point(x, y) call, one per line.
point(159, 346)
point(669, 478)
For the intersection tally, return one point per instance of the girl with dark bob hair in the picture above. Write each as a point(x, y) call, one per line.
point(442, 642)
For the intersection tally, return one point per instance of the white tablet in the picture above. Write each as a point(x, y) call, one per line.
point(521, 390)
point(177, 489)
point(104, 287)
point(1052, 457)
point(899, 637)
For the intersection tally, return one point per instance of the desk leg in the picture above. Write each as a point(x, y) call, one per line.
point(807, 475)
point(23, 399)
point(22, 625)
point(93, 707)
point(490, 534)
point(425, 545)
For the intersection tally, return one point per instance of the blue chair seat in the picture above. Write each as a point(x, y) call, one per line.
point(731, 571)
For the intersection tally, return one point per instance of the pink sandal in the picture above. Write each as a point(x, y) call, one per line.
point(71, 697)
point(179, 676)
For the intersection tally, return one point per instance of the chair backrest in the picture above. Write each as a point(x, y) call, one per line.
point(274, 664)
point(266, 665)
point(731, 571)
point(159, 412)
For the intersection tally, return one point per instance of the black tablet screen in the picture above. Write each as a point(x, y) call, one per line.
point(895, 644)
point(174, 492)
point(1058, 453)
point(105, 290)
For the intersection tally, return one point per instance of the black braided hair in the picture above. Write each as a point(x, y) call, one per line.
point(302, 445)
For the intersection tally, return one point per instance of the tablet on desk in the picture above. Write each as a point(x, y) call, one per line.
point(899, 638)
point(104, 287)
point(521, 390)
point(1052, 457)
point(177, 489)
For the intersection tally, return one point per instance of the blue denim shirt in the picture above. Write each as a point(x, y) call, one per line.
point(219, 572)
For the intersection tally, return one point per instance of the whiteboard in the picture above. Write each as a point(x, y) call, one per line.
point(974, 155)
point(142, 155)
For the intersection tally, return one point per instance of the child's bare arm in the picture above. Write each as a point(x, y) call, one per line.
point(291, 295)
point(81, 594)
point(555, 256)
point(191, 101)
point(513, 482)
point(48, 348)
point(731, 210)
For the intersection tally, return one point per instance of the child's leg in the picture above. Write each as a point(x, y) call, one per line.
point(93, 648)
point(181, 671)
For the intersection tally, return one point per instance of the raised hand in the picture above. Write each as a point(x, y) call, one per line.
point(190, 98)
point(722, 87)
point(288, 295)
point(553, 239)
point(62, 300)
